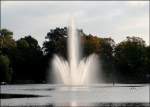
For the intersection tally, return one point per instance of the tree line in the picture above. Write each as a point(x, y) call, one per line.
point(24, 61)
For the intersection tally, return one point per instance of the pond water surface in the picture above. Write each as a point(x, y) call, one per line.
point(98, 95)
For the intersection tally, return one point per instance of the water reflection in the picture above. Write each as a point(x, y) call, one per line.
point(7, 96)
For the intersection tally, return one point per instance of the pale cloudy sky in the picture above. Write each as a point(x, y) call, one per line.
point(116, 19)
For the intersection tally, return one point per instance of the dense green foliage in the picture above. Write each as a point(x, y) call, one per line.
point(25, 61)
point(130, 59)
point(56, 42)
point(5, 74)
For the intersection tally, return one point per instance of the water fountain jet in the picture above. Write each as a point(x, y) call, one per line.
point(76, 71)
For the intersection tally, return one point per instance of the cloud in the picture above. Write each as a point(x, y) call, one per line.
point(104, 18)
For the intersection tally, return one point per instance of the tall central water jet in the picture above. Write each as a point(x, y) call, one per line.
point(73, 52)
point(75, 71)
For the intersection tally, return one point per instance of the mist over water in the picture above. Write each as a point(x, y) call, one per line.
point(75, 71)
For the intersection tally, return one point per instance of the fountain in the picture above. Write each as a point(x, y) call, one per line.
point(76, 71)
point(75, 74)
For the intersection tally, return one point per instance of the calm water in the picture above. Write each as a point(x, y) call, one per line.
point(60, 95)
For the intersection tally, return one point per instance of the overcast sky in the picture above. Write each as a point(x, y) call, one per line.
point(114, 19)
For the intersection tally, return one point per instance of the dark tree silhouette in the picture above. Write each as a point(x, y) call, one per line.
point(129, 59)
point(27, 60)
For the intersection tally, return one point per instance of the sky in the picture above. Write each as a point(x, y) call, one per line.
point(115, 19)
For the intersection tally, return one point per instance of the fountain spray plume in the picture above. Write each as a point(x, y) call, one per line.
point(75, 71)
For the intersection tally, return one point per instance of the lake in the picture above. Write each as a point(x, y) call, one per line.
point(99, 95)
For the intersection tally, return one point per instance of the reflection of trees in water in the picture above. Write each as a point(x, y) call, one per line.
point(6, 96)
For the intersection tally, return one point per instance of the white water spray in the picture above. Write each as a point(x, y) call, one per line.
point(75, 71)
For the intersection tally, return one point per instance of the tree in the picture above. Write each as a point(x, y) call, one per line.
point(106, 58)
point(129, 58)
point(6, 40)
point(147, 64)
point(5, 70)
point(90, 44)
point(56, 42)
point(27, 60)
point(106, 48)
point(22, 44)
point(7, 45)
